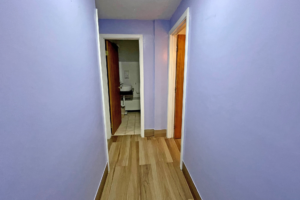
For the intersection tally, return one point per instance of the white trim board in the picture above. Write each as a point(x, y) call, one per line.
point(101, 83)
point(183, 20)
point(99, 64)
point(104, 82)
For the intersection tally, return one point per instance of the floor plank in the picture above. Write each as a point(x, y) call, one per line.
point(113, 159)
point(133, 184)
point(181, 184)
point(156, 175)
point(114, 154)
point(143, 152)
point(145, 169)
point(124, 152)
point(174, 193)
point(107, 186)
point(178, 143)
point(165, 149)
point(160, 155)
point(114, 138)
point(135, 138)
point(147, 185)
point(119, 138)
point(116, 183)
point(174, 151)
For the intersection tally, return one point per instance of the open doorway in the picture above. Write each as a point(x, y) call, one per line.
point(127, 105)
point(123, 75)
point(177, 79)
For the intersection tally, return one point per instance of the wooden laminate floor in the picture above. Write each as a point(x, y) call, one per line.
point(145, 169)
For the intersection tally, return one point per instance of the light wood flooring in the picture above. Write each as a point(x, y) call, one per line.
point(145, 169)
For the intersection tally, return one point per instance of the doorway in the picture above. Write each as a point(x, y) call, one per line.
point(105, 85)
point(123, 74)
point(178, 51)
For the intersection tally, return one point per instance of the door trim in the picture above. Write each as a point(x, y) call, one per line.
point(104, 82)
point(183, 20)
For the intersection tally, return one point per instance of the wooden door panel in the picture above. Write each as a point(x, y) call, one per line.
point(179, 85)
point(114, 85)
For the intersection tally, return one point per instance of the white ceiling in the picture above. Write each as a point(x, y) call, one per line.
point(136, 9)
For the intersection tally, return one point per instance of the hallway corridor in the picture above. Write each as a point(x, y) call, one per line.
point(146, 169)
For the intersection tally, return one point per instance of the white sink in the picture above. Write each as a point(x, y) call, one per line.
point(125, 88)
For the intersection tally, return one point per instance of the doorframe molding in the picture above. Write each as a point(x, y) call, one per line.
point(104, 81)
point(183, 20)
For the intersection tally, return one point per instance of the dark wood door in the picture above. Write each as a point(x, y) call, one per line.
point(114, 85)
point(179, 85)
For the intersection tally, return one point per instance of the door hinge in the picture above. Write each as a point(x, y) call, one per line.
point(106, 53)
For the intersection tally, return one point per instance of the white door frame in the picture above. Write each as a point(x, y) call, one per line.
point(104, 81)
point(183, 20)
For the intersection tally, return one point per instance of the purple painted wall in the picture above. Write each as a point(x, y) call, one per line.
point(52, 135)
point(162, 28)
point(243, 100)
point(155, 63)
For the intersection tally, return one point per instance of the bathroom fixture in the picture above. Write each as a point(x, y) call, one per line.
point(125, 88)
point(134, 104)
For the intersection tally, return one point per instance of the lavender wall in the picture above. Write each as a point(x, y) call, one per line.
point(161, 28)
point(243, 101)
point(51, 136)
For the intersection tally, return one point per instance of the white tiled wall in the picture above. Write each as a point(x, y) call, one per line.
point(133, 79)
